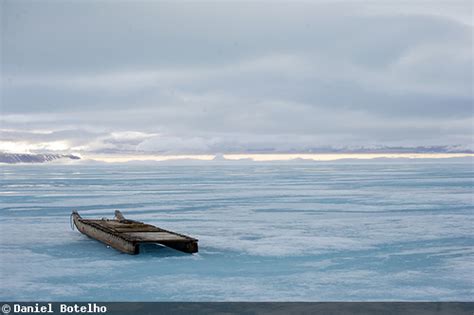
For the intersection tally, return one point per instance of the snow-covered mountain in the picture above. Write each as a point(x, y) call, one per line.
point(12, 158)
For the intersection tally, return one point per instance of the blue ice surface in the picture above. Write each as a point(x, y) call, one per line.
point(267, 232)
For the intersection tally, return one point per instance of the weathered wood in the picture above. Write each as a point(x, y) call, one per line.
point(127, 235)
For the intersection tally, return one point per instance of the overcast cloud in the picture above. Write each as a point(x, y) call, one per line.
point(209, 77)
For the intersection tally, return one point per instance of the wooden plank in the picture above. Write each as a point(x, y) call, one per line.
point(137, 229)
point(154, 236)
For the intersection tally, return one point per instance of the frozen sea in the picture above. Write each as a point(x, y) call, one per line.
point(267, 232)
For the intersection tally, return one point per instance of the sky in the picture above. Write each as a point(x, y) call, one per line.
point(176, 78)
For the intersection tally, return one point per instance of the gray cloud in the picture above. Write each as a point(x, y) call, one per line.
point(218, 77)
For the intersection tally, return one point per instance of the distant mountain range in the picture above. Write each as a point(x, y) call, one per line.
point(13, 158)
point(373, 149)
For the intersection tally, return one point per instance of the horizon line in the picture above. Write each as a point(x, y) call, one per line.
point(266, 157)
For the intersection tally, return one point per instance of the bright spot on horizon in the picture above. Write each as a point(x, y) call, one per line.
point(27, 147)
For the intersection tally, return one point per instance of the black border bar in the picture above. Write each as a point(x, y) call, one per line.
point(247, 308)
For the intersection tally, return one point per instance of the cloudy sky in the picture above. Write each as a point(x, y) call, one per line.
point(199, 77)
